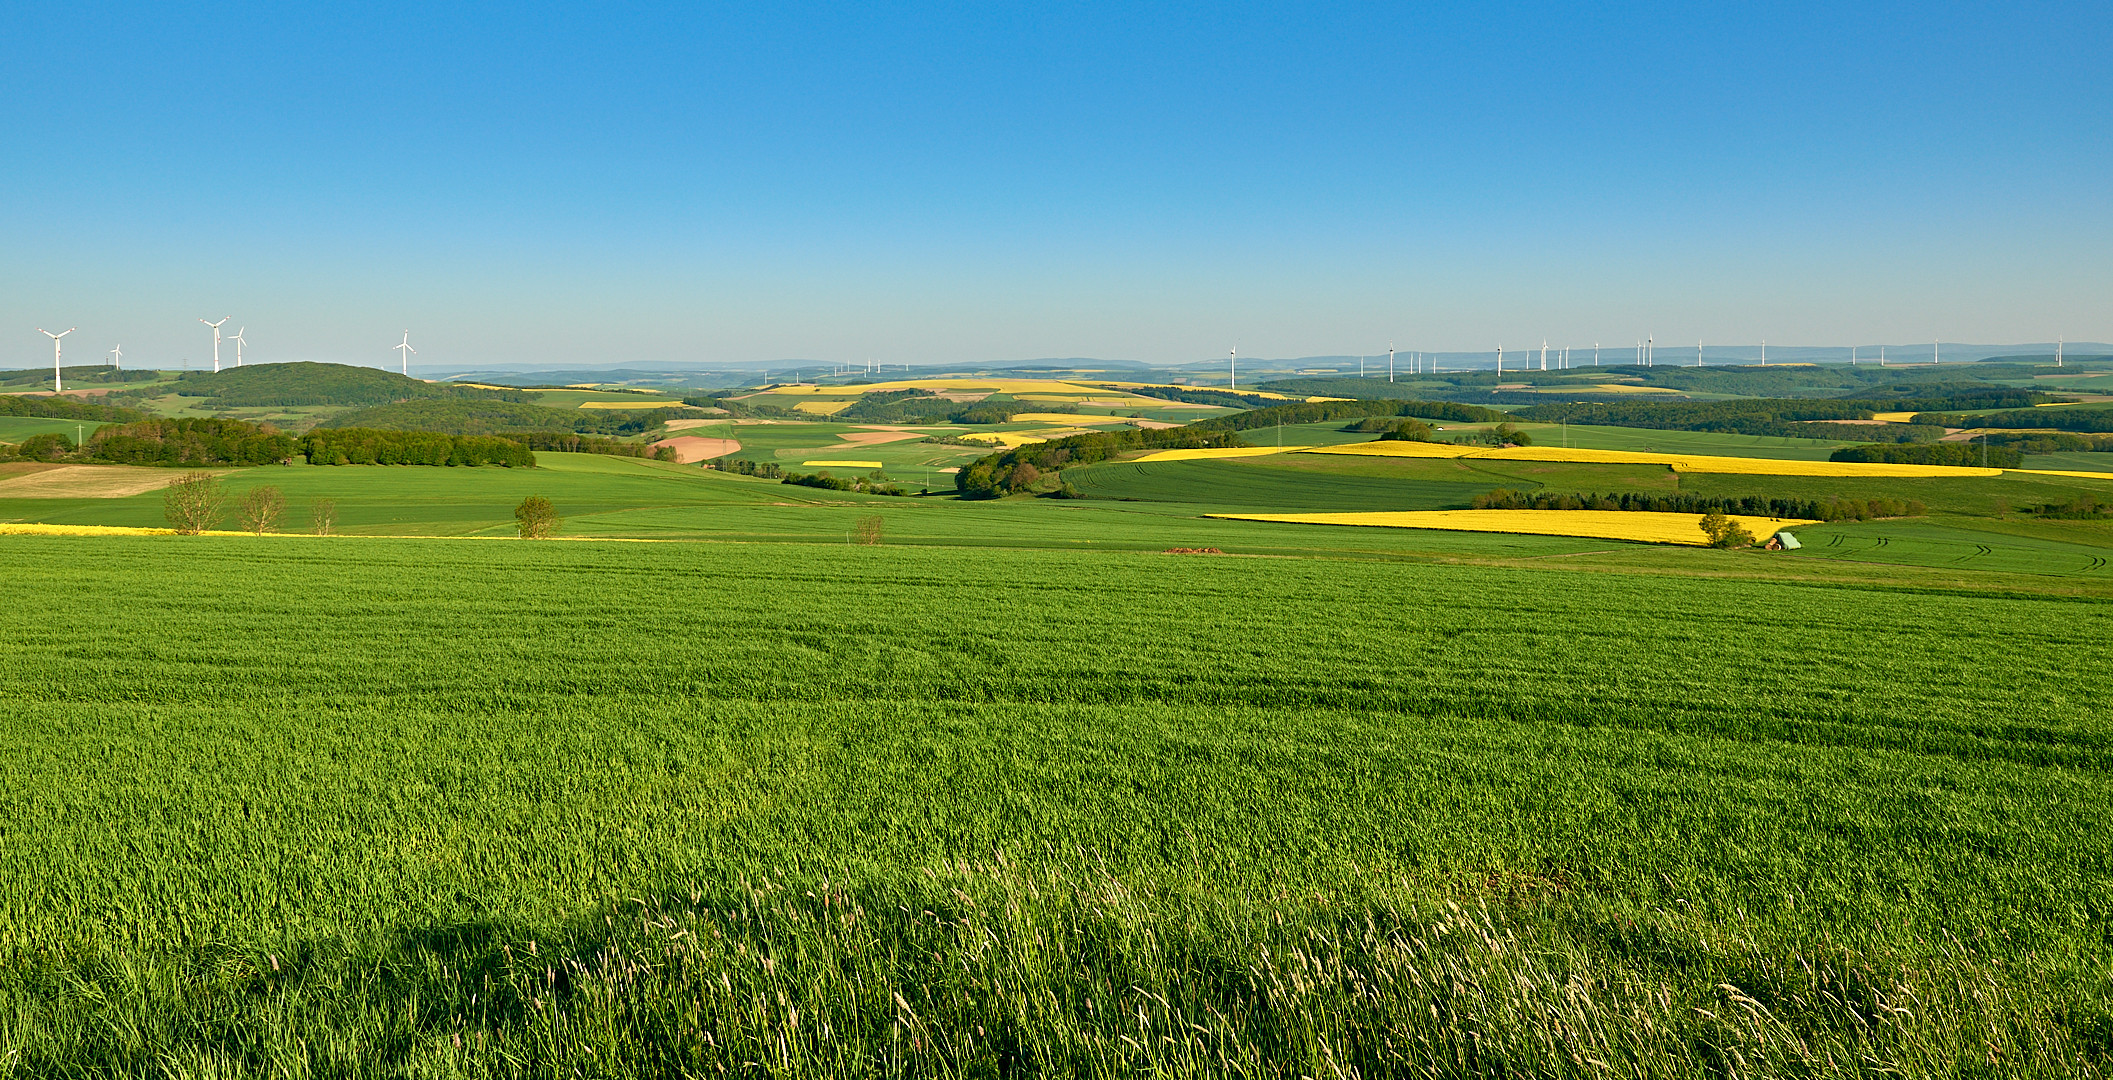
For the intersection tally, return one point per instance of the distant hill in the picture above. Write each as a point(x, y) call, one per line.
point(298, 384)
point(494, 417)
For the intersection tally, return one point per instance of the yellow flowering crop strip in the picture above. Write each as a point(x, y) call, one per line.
point(1221, 452)
point(843, 464)
point(1688, 463)
point(1642, 527)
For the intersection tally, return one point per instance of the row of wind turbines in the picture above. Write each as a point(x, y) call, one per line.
point(117, 352)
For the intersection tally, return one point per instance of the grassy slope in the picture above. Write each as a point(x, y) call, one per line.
point(14, 429)
point(396, 803)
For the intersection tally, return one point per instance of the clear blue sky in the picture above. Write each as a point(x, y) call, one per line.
point(610, 183)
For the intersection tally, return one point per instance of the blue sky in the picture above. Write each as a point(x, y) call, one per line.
point(967, 183)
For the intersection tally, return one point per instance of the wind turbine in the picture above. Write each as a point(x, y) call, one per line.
point(404, 352)
point(55, 387)
point(216, 341)
point(2057, 352)
point(1544, 354)
point(239, 343)
point(1764, 352)
point(1390, 361)
point(117, 358)
point(1500, 359)
point(1235, 359)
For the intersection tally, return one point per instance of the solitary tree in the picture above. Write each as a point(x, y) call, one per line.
point(194, 502)
point(869, 531)
point(322, 516)
point(536, 518)
point(261, 508)
point(1723, 532)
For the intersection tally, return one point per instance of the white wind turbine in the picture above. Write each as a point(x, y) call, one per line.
point(117, 358)
point(55, 387)
point(405, 351)
point(216, 340)
point(239, 343)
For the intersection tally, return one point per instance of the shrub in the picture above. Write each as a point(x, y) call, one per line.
point(193, 502)
point(536, 518)
point(261, 508)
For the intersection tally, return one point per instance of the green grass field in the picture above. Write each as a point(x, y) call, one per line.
point(457, 808)
point(14, 429)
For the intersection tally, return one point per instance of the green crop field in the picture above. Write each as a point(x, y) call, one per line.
point(14, 429)
point(1017, 792)
point(444, 808)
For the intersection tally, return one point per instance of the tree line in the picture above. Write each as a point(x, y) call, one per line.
point(1018, 469)
point(187, 441)
point(2095, 419)
point(1320, 412)
point(369, 446)
point(1828, 509)
point(63, 408)
point(1963, 454)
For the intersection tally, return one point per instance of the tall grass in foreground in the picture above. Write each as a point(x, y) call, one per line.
point(998, 970)
point(423, 809)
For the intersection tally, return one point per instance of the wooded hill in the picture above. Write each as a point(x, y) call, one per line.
point(307, 384)
point(503, 417)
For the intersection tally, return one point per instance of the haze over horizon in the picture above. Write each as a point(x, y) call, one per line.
point(927, 185)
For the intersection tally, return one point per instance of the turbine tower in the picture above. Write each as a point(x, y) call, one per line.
point(239, 343)
point(404, 351)
point(2057, 352)
point(1764, 352)
point(1544, 354)
point(1500, 359)
point(1234, 359)
point(117, 358)
point(55, 387)
point(1390, 361)
point(216, 341)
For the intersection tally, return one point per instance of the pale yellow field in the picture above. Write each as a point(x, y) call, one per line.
point(1220, 452)
point(1691, 463)
point(1893, 417)
point(632, 405)
point(1017, 387)
point(1649, 528)
point(1006, 439)
point(1071, 419)
point(842, 464)
point(825, 408)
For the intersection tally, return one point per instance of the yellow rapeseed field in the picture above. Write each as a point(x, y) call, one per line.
point(1017, 387)
point(1893, 417)
point(824, 408)
point(1220, 452)
point(632, 405)
point(1072, 419)
point(842, 464)
point(29, 529)
point(1649, 528)
point(1690, 463)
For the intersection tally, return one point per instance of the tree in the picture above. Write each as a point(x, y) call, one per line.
point(261, 508)
point(869, 531)
point(536, 518)
point(49, 446)
point(322, 516)
point(194, 502)
point(1723, 532)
